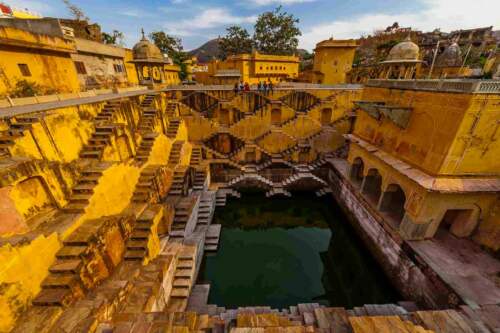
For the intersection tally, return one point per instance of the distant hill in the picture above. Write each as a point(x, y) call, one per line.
point(210, 49)
point(207, 51)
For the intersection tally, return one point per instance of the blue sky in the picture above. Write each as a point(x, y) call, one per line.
point(197, 21)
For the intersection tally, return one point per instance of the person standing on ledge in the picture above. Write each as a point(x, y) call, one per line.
point(264, 86)
point(271, 87)
point(247, 87)
point(259, 87)
point(236, 89)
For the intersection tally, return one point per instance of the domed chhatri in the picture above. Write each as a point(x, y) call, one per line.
point(404, 51)
point(451, 57)
point(145, 50)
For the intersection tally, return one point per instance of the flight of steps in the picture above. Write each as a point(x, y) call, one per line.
point(253, 176)
point(148, 119)
point(200, 176)
point(177, 187)
point(145, 147)
point(148, 100)
point(16, 130)
point(221, 196)
point(84, 189)
point(196, 156)
point(142, 190)
point(278, 190)
point(171, 109)
point(301, 176)
point(175, 153)
point(183, 211)
point(97, 142)
point(137, 244)
point(173, 127)
point(206, 209)
point(184, 279)
point(107, 112)
point(212, 237)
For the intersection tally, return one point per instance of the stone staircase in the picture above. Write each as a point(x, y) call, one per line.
point(184, 279)
point(143, 233)
point(148, 120)
point(172, 108)
point(15, 130)
point(196, 156)
point(183, 211)
point(251, 176)
point(101, 137)
point(212, 237)
point(142, 153)
point(142, 192)
point(173, 127)
point(178, 187)
point(107, 112)
point(175, 153)
point(206, 209)
point(221, 196)
point(84, 260)
point(84, 189)
point(200, 177)
point(148, 100)
point(302, 176)
point(278, 190)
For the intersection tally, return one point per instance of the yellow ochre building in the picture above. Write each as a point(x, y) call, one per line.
point(252, 68)
point(333, 60)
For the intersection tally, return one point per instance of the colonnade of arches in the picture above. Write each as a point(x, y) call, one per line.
point(389, 201)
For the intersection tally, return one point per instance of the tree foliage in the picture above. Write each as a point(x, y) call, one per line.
point(172, 47)
point(75, 11)
point(114, 38)
point(237, 40)
point(276, 32)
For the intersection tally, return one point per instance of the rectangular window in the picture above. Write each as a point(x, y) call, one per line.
point(80, 67)
point(118, 68)
point(25, 70)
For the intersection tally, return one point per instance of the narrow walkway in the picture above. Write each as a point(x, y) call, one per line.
point(471, 272)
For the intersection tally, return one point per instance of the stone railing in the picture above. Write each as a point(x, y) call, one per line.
point(462, 86)
point(9, 102)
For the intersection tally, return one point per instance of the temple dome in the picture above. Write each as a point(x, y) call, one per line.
point(451, 57)
point(145, 50)
point(404, 51)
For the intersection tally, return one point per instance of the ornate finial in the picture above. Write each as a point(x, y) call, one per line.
point(143, 35)
point(408, 38)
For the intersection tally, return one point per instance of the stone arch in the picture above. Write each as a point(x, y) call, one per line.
point(392, 204)
point(461, 221)
point(372, 186)
point(357, 170)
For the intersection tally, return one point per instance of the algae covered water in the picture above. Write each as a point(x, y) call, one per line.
point(284, 251)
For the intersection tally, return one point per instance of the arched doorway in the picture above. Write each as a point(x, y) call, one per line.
point(392, 204)
point(372, 186)
point(460, 222)
point(357, 169)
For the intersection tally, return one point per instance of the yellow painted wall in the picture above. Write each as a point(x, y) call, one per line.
point(334, 63)
point(433, 126)
point(23, 269)
point(130, 68)
point(160, 151)
point(475, 149)
point(50, 67)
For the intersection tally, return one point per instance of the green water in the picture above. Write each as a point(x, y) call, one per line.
point(281, 252)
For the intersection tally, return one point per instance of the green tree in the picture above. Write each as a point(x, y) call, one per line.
point(114, 38)
point(171, 46)
point(236, 41)
point(276, 32)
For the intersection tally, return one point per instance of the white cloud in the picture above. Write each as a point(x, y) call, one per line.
point(447, 15)
point(208, 18)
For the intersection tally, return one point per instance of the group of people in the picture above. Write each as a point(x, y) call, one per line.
point(262, 87)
